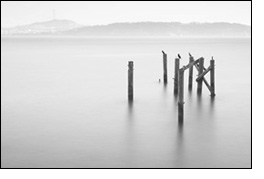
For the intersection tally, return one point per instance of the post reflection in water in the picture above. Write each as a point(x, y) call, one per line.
point(212, 102)
point(130, 109)
point(212, 106)
point(180, 129)
point(190, 98)
point(175, 96)
point(198, 108)
point(129, 139)
point(199, 98)
point(199, 105)
point(180, 144)
point(130, 121)
point(165, 90)
point(165, 87)
point(190, 91)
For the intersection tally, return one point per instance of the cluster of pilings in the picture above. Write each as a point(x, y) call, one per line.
point(179, 78)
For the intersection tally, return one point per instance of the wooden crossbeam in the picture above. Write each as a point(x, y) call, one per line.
point(203, 74)
point(193, 63)
point(203, 67)
point(204, 80)
point(207, 84)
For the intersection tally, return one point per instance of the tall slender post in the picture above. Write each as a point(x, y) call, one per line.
point(190, 73)
point(212, 77)
point(130, 81)
point(200, 82)
point(176, 75)
point(165, 77)
point(181, 94)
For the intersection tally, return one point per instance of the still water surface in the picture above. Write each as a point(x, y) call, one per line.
point(64, 104)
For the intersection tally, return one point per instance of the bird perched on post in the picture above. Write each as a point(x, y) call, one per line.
point(190, 54)
point(179, 56)
point(163, 52)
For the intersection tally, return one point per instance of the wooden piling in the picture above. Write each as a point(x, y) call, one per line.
point(200, 82)
point(212, 77)
point(190, 73)
point(181, 94)
point(165, 76)
point(130, 81)
point(176, 75)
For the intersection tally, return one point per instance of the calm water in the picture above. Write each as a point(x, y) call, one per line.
point(64, 104)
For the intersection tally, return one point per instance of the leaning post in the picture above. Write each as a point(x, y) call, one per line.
point(130, 81)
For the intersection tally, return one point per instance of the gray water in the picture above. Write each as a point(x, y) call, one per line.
point(64, 104)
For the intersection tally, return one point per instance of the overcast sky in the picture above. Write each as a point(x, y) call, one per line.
point(93, 13)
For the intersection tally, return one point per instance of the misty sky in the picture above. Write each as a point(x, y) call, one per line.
point(93, 13)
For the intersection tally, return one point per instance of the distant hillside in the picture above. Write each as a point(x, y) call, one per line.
point(139, 29)
point(52, 26)
point(173, 29)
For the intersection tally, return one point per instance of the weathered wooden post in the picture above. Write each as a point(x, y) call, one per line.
point(165, 76)
point(130, 81)
point(181, 94)
point(190, 72)
point(176, 75)
point(200, 82)
point(212, 77)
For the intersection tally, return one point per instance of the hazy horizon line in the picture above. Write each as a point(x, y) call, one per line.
point(119, 22)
